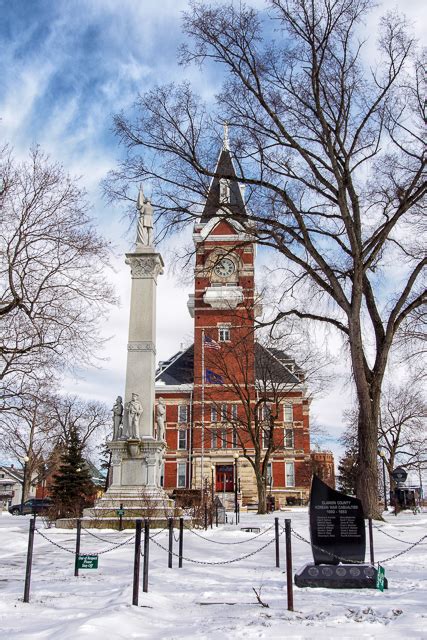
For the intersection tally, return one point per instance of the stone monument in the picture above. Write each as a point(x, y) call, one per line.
point(338, 541)
point(136, 451)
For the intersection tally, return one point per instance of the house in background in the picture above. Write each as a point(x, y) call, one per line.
point(11, 480)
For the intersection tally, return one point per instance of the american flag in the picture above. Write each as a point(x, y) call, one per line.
point(210, 343)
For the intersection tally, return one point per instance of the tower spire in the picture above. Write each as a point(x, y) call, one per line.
point(226, 140)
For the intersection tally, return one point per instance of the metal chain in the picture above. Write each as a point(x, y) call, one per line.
point(219, 542)
point(396, 555)
point(54, 543)
point(204, 562)
point(347, 560)
point(99, 553)
point(392, 537)
point(98, 537)
point(332, 555)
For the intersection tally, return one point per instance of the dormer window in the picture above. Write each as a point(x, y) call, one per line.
point(224, 191)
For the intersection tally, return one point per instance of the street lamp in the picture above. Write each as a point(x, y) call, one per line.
point(212, 481)
point(382, 454)
point(25, 460)
point(236, 504)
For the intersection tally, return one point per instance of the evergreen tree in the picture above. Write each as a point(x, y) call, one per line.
point(72, 487)
point(347, 472)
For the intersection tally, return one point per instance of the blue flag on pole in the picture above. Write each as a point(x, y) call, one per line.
point(213, 378)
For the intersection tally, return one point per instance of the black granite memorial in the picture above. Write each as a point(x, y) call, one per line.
point(338, 542)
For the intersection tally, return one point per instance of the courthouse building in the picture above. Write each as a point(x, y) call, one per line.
point(226, 389)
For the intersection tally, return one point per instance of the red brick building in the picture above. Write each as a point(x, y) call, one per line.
point(227, 395)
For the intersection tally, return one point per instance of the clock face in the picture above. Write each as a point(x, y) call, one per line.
point(225, 268)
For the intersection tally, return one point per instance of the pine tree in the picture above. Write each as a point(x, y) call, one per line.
point(347, 472)
point(72, 487)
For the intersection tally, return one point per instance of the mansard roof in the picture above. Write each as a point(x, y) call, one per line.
point(213, 204)
point(179, 369)
point(271, 364)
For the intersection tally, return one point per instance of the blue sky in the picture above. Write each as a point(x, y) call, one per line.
point(66, 67)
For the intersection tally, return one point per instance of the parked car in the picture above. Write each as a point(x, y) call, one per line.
point(33, 505)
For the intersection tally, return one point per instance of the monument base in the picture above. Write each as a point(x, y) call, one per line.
point(135, 489)
point(338, 576)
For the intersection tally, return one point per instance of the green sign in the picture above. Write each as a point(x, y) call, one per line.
point(120, 512)
point(85, 561)
point(380, 578)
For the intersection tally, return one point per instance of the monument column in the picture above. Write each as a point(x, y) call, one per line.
point(145, 265)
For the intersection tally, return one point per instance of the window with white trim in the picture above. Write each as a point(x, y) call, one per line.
point(214, 439)
point(182, 439)
point(265, 412)
point(182, 413)
point(214, 413)
point(234, 412)
point(223, 413)
point(290, 474)
point(223, 439)
point(289, 439)
point(181, 474)
point(269, 475)
point(223, 334)
point(234, 436)
point(266, 437)
point(288, 413)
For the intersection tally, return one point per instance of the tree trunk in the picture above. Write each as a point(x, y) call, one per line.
point(262, 495)
point(367, 462)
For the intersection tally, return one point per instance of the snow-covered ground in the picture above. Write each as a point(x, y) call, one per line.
point(205, 601)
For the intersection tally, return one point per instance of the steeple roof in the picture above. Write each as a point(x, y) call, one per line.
point(216, 203)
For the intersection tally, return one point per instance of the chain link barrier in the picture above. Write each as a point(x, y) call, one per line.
point(99, 553)
point(347, 560)
point(55, 544)
point(393, 537)
point(88, 531)
point(219, 562)
point(226, 543)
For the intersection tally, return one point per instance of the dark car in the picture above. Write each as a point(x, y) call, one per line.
point(33, 505)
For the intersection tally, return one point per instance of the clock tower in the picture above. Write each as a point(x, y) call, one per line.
point(223, 304)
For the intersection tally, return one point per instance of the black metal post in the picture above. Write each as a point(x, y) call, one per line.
point(238, 514)
point(77, 552)
point(371, 540)
point(170, 526)
point(146, 555)
point(24, 480)
point(181, 541)
point(121, 517)
point(385, 488)
point(216, 515)
point(136, 561)
point(289, 577)
point(276, 535)
point(235, 489)
point(206, 516)
point(29, 560)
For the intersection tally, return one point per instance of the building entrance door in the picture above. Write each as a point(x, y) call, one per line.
point(224, 478)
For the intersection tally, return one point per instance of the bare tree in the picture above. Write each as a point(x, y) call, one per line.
point(403, 427)
point(90, 419)
point(258, 378)
point(402, 434)
point(28, 435)
point(331, 152)
point(53, 291)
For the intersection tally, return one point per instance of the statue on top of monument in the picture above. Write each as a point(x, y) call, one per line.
point(134, 412)
point(144, 235)
point(117, 418)
point(160, 419)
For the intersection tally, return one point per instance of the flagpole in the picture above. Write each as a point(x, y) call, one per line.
point(203, 417)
